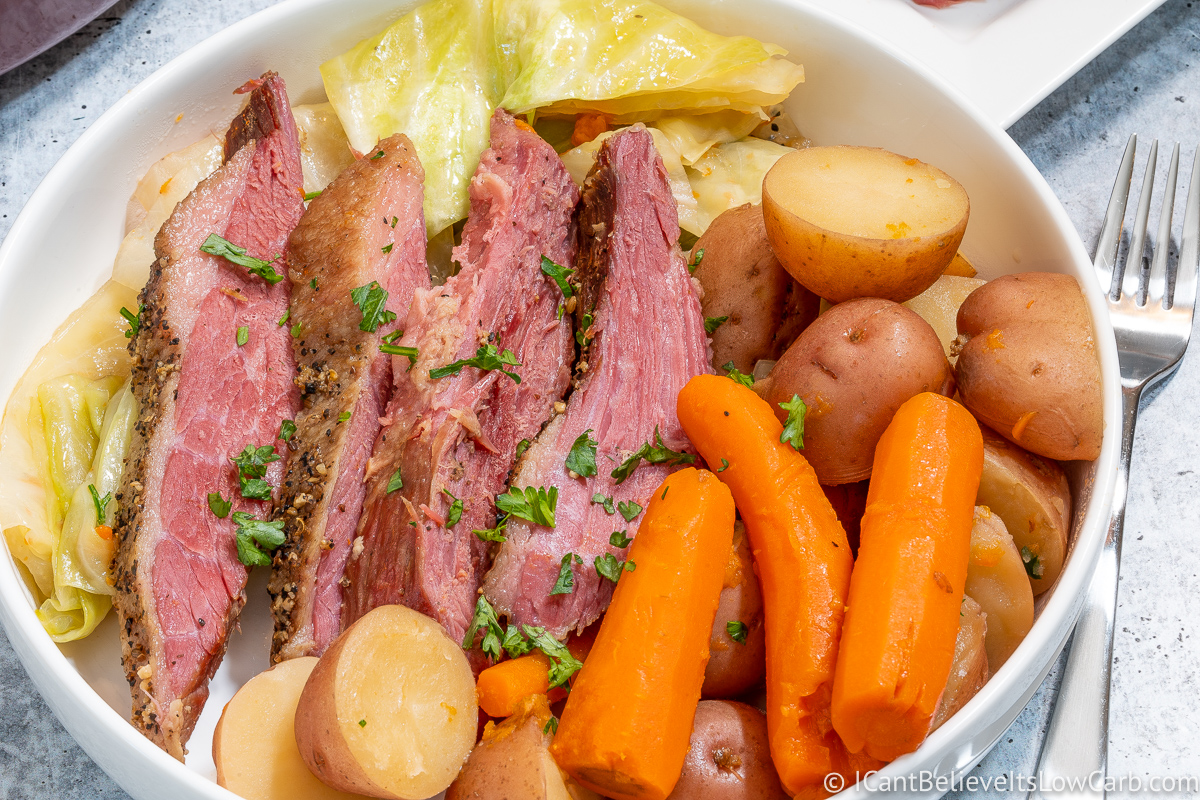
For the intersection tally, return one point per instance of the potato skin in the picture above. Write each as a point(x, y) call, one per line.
point(729, 757)
point(854, 367)
point(734, 667)
point(840, 265)
point(996, 580)
point(1027, 365)
point(742, 280)
point(969, 669)
point(1033, 498)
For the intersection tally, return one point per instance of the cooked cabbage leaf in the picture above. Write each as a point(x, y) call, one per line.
point(324, 151)
point(630, 60)
point(731, 174)
point(433, 75)
point(693, 134)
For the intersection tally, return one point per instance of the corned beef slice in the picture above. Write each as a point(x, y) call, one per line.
point(203, 398)
point(365, 227)
point(647, 340)
point(459, 434)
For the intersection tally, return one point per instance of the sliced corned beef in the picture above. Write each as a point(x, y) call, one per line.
point(456, 436)
point(365, 232)
point(640, 310)
point(206, 392)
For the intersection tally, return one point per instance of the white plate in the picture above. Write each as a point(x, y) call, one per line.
point(859, 91)
point(1006, 55)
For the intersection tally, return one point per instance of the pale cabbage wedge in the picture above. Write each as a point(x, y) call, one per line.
point(169, 180)
point(579, 161)
point(433, 75)
point(91, 344)
point(630, 60)
point(693, 134)
point(731, 174)
point(324, 149)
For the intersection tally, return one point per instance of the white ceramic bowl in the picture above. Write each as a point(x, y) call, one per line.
point(858, 91)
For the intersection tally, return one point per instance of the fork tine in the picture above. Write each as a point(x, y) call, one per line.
point(1189, 249)
point(1114, 218)
point(1132, 268)
point(1156, 286)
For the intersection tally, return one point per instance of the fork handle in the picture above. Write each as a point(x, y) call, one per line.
point(1074, 758)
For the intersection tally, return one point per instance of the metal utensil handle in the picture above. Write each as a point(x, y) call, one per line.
point(1074, 756)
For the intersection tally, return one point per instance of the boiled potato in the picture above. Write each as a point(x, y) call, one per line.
point(389, 710)
point(853, 367)
point(1031, 495)
point(254, 745)
point(763, 307)
point(960, 267)
point(733, 667)
point(513, 759)
point(969, 669)
point(1027, 366)
point(863, 222)
point(996, 580)
point(938, 305)
point(729, 757)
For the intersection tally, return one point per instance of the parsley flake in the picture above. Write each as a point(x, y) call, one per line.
point(486, 358)
point(566, 578)
point(410, 353)
point(362, 723)
point(534, 504)
point(732, 373)
point(287, 429)
point(560, 275)
point(551, 726)
point(737, 630)
point(370, 300)
point(101, 503)
point(387, 248)
point(485, 620)
point(283, 320)
point(563, 664)
point(696, 260)
point(619, 539)
point(658, 453)
point(724, 465)
point(581, 337)
point(456, 509)
point(218, 505)
point(522, 446)
point(1033, 565)
point(243, 335)
point(134, 324)
point(605, 502)
point(377, 156)
point(712, 323)
point(609, 566)
point(793, 429)
point(495, 534)
point(253, 534)
point(395, 482)
point(312, 195)
point(342, 417)
point(629, 510)
point(582, 458)
point(217, 246)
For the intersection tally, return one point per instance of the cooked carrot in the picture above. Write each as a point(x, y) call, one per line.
point(588, 127)
point(628, 720)
point(902, 620)
point(503, 686)
point(803, 561)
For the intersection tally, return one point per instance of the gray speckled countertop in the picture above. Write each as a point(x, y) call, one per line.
point(1148, 82)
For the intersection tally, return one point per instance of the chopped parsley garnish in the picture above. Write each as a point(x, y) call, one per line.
point(370, 300)
point(387, 248)
point(712, 323)
point(551, 726)
point(255, 488)
point(581, 336)
point(732, 373)
point(793, 429)
point(582, 458)
point(287, 429)
point(654, 454)
point(629, 510)
point(243, 335)
point(377, 156)
point(737, 630)
point(566, 578)
point(456, 509)
point(696, 261)
point(295, 331)
point(252, 468)
point(518, 642)
point(394, 221)
point(534, 504)
point(522, 446)
point(253, 534)
point(101, 503)
point(313, 285)
point(218, 505)
point(563, 664)
point(342, 417)
point(606, 502)
point(312, 195)
point(515, 643)
point(132, 319)
point(395, 482)
point(724, 465)
point(1033, 565)
point(217, 246)
point(362, 723)
point(559, 274)
point(283, 320)
point(619, 539)
point(487, 357)
point(609, 566)
point(485, 620)
point(495, 534)
point(410, 353)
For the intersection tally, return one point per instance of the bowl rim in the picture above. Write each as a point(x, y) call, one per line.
point(62, 686)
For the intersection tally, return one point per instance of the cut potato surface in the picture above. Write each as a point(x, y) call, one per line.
point(969, 670)
point(389, 710)
point(938, 305)
point(863, 222)
point(996, 580)
point(254, 745)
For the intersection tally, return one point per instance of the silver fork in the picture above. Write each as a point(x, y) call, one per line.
point(1152, 327)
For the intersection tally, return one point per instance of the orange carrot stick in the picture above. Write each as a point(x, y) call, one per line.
point(803, 561)
point(501, 687)
point(628, 721)
point(902, 621)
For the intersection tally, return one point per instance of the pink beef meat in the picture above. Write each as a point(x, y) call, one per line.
point(647, 339)
point(458, 435)
point(203, 398)
point(366, 227)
